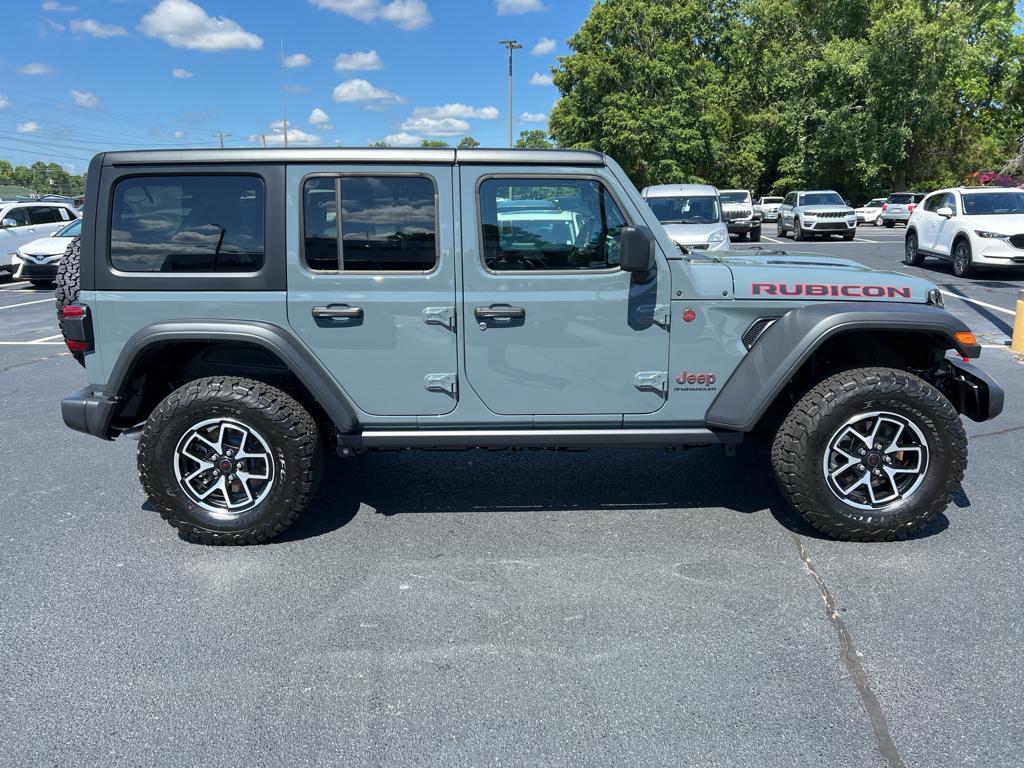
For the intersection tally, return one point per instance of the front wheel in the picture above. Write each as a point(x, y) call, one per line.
point(963, 264)
point(228, 460)
point(870, 454)
point(798, 231)
point(911, 254)
point(755, 235)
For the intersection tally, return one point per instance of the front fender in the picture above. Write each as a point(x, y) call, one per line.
point(789, 343)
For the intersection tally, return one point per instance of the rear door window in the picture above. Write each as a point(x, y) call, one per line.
point(188, 224)
point(43, 214)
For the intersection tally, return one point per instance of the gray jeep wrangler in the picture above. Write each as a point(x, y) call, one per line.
point(243, 311)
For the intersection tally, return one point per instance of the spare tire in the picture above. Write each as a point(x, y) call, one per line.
point(68, 284)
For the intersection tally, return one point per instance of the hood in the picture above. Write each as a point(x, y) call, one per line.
point(809, 277)
point(693, 234)
point(46, 246)
point(845, 209)
point(1005, 224)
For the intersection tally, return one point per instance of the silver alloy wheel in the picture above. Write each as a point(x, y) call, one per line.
point(961, 259)
point(875, 460)
point(910, 253)
point(224, 466)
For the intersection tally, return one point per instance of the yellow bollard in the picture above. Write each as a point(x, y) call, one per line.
point(1017, 343)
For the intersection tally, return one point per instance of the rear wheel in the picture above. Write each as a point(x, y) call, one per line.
point(228, 460)
point(889, 224)
point(911, 255)
point(963, 263)
point(871, 454)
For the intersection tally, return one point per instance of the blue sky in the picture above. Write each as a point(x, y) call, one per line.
point(82, 76)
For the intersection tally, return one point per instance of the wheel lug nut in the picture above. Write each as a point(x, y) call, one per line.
point(238, 465)
point(878, 473)
point(216, 473)
point(860, 467)
point(863, 452)
point(878, 447)
point(231, 478)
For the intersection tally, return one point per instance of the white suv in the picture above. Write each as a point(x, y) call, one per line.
point(24, 221)
point(970, 226)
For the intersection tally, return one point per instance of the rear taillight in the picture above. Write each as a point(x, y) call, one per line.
point(884, 206)
point(911, 207)
point(76, 325)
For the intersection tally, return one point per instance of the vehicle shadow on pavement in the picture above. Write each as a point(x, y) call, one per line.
point(424, 482)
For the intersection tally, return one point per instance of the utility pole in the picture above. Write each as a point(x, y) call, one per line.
point(512, 45)
point(284, 96)
point(221, 134)
point(263, 140)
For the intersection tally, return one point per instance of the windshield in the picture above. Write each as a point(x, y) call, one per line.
point(821, 198)
point(735, 197)
point(878, 202)
point(994, 203)
point(74, 229)
point(901, 199)
point(771, 200)
point(685, 209)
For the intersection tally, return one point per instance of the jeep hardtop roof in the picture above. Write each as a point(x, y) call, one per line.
point(354, 155)
point(674, 190)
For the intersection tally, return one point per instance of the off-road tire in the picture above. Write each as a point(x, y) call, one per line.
point(69, 273)
point(288, 429)
point(800, 442)
point(755, 235)
point(911, 252)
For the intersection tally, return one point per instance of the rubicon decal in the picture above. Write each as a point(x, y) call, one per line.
point(821, 289)
point(695, 382)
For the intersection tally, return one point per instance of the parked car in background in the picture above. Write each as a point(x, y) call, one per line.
point(691, 214)
point(24, 221)
point(898, 207)
point(38, 260)
point(969, 226)
point(738, 213)
point(816, 212)
point(871, 212)
point(768, 208)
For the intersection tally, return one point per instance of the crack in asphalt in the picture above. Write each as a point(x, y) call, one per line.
point(997, 433)
point(31, 362)
point(848, 654)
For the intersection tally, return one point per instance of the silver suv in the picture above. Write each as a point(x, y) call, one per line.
point(898, 207)
point(739, 214)
point(817, 212)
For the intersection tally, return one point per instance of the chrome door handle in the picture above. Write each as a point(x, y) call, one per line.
point(337, 312)
point(499, 312)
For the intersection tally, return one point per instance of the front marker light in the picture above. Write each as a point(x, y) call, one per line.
point(718, 236)
point(990, 235)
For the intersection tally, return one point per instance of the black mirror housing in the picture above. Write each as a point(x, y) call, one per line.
point(637, 250)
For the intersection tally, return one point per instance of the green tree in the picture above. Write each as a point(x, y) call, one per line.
point(468, 142)
point(535, 139)
point(435, 143)
point(379, 144)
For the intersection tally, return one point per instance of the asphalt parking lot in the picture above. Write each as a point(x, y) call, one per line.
point(586, 609)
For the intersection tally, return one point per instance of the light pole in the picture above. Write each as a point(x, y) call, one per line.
point(512, 45)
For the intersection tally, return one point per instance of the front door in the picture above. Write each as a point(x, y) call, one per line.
point(552, 325)
point(371, 289)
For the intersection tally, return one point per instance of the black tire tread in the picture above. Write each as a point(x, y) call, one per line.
point(789, 449)
point(69, 273)
point(295, 424)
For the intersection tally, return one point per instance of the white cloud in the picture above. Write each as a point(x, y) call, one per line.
point(457, 110)
point(510, 7)
point(180, 74)
point(358, 60)
point(55, 7)
point(297, 60)
point(183, 24)
point(4, 101)
point(35, 69)
point(48, 26)
point(533, 117)
point(543, 47)
point(276, 136)
point(447, 126)
point(320, 119)
point(363, 90)
point(85, 99)
point(405, 14)
point(94, 28)
point(179, 134)
point(28, 127)
point(403, 140)
point(539, 79)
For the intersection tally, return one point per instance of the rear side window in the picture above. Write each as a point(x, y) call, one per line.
point(194, 223)
point(369, 223)
point(549, 225)
point(44, 215)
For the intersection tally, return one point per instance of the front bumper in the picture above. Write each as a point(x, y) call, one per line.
point(770, 216)
point(899, 218)
point(996, 253)
point(30, 270)
point(742, 225)
point(974, 393)
point(832, 226)
point(85, 411)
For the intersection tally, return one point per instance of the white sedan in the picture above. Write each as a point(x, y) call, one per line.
point(38, 260)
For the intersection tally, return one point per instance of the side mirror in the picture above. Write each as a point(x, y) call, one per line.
point(8, 223)
point(636, 252)
point(945, 212)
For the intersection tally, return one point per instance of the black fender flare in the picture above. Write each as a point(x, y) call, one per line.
point(781, 350)
point(274, 339)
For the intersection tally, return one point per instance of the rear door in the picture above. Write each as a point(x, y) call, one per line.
point(926, 220)
point(553, 327)
point(371, 290)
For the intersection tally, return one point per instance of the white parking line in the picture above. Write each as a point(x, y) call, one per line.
point(11, 286)
point(27, 303)
point(36, 343)
point(979, 303)
point(865, 240)
point(771, 240)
